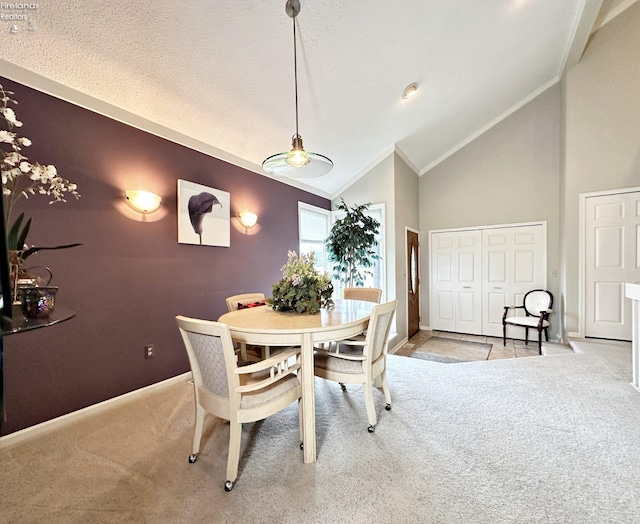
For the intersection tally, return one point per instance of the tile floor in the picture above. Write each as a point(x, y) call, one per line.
point(485, 348)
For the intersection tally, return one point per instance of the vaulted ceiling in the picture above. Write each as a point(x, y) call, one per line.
point(219, 73)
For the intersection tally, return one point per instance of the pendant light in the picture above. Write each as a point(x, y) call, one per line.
point(297, 163)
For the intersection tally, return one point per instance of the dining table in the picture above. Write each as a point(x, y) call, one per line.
point(262, 326)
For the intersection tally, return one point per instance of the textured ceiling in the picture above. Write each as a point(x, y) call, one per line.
point(221, 72)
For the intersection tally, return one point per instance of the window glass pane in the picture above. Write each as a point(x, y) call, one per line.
point(313, 226)
point(374, 276)
point(313, 230)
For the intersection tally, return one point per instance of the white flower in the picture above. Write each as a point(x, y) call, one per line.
point(20, 177)
point(7, 136)
point(10, 116)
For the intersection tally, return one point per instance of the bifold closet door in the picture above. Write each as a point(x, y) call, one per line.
point(456, 283)
point(514, 262)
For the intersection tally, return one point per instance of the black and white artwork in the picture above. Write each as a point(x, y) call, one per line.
point(203, 215)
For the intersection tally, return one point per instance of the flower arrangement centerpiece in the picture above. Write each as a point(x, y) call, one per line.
point(302, 287)
point(21, 179)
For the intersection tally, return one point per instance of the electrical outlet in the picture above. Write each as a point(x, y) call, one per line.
point(148, 351)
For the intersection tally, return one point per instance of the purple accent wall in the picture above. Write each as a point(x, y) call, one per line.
point(129, 278)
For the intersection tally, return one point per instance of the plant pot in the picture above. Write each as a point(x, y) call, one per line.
point(38, 302)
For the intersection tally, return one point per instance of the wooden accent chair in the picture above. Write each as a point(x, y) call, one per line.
point(363, 362)
point(537, 305)
point(233, 393)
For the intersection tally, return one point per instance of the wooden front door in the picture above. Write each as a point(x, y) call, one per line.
point(413, 284)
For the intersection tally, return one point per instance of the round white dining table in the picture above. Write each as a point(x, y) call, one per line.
point(262, 326)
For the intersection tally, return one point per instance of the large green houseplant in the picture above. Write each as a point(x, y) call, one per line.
point(351, 242)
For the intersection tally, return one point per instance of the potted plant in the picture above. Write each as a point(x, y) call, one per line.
point(350, 244)
point(22, 178)
point(302, 288)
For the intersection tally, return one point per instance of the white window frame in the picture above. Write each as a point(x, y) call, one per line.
point(302, 208)
point(379, 268)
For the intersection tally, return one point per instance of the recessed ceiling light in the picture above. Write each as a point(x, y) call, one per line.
point(410, 90)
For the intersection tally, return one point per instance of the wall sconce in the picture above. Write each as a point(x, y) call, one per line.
point(247, 219)
point(142, 201)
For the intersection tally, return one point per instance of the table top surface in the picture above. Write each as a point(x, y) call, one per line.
point(264, 319)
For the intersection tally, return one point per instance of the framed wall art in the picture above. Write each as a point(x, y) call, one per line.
point(203, 215)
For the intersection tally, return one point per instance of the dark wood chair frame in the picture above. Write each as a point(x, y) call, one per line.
point(542, 316)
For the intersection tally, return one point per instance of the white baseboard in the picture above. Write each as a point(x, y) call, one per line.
point(425, 328)
point(49, 425)
point(398, 346)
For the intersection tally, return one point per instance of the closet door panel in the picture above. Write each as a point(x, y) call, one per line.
point(514, 262)
point(475, 273)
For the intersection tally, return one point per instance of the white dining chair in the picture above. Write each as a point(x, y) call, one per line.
point(246, 300)
point(234, 393)
point(364, 362)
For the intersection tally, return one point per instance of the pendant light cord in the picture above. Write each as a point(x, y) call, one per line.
point(295, 69)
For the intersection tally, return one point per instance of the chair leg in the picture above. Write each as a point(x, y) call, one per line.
point(300, 422)
point(526, 336)
point(371, 409)
point(385, 389)
point(243, 351)
point(235, 434)
point(540, 342)
point(504, 334)
point(197, 433)
point(546, 334)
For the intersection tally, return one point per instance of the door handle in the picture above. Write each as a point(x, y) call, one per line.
point(497, 288)
point(466, 287)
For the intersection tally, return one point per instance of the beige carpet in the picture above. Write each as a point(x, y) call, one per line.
point(521, 440)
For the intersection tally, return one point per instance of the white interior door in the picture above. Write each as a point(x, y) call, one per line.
point(443, 281)
point(456, 282)
point(612, 256)
point(514, 262)
point(468, 311)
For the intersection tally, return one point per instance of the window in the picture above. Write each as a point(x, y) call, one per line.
point(375, 275)
point(314, 226)
point(313, 230)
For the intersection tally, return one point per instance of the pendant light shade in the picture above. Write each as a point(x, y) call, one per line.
point(296, 163)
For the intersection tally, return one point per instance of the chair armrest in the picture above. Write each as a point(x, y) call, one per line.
point(347, 342)
point(270, 362)
point(343, 356)
point(506, 311)
point(278, 366)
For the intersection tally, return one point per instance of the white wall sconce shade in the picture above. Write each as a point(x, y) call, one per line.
point(247, 219)
point(143, 201)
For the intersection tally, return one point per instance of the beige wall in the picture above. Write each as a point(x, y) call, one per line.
point(406, 215)
point(602, 132)
point(377, 187)
point(509, 174)
point(581, 135)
